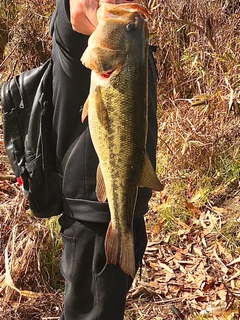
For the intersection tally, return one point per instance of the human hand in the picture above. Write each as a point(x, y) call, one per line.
point(83, 13)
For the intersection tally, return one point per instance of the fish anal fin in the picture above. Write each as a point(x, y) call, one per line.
point(149, 178)
point(112, 245)
point(120, 249)
point(100, 186)
point(85, 110)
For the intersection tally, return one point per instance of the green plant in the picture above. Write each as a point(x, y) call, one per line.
point(50, 256)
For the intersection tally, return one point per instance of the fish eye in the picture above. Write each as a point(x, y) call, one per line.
point(107, 66)
point(130, 26)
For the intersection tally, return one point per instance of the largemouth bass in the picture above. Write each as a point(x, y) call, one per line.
point(117, 54)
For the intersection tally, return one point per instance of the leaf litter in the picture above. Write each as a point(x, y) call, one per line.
point(198, 276)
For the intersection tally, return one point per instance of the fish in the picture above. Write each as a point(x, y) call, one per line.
point(117, 111)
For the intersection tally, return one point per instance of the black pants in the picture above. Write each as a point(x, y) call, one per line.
point(94, 290)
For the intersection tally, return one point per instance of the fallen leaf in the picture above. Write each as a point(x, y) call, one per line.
point(236, 275)
point(198, 251)
point(202, 299)
point(222, 294)
point(158, 226)
point(208, 284)
point(164, 266)
point(220, 210)
point(224, 268)
point(169, 276)
point(191, 207)
point(154, 265)
point(182, 269)
point(237, 260)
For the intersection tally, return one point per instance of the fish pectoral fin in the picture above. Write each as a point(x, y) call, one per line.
point(100, 186)
point(149, 178)
point(85, 110)
point(101, 109)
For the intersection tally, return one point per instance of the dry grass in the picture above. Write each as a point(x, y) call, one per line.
point(190, 266)
point(30, 254)
point(24, 35)
point(198, 61)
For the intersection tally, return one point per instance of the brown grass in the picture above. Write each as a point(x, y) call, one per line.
point(193, 226)
point(198, 62)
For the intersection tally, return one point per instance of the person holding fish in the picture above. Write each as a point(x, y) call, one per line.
point(105, 130)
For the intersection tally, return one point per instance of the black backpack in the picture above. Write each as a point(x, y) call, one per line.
point(27, 128)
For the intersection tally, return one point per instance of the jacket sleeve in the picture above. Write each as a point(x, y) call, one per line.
point(70, 43)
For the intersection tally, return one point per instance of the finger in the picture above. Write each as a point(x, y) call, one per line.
point(119, 1)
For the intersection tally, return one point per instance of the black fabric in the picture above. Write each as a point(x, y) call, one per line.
point(27, 127)
point(94, 290)
point(70, 90)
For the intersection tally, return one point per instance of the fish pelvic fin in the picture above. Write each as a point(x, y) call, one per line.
point(149, 178)
point(100, 186)
point(85, 110)
point(120, 249)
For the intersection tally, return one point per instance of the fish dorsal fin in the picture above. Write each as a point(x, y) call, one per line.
point(149, 178)
point(100, 186)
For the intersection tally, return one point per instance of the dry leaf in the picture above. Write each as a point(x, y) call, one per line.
point(154, 265)
point(220, 210)
point(223, 267)
point(182, 269)
point(223, 250)
point(237, 260)
point(169, 276)
point(236, 275)
point(222, 294)
point(198, 251)
point(178, 256)
point(208, 284)
point(191, 207)
point(202, 299)
point(164, 266)
point(158, 226)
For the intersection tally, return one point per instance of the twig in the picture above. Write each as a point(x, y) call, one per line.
point(7, 177)
point(187, 22)
point(167, 301)
point(8, 56)
point(176, 312)
point(208, 27)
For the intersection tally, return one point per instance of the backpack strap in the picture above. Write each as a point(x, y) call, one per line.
point(11, 100)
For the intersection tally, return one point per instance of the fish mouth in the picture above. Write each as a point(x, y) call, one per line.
point(107, 74)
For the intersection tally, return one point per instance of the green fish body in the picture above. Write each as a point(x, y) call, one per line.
point(117, 112)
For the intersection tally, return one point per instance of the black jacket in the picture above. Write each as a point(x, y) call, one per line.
point(71, 82)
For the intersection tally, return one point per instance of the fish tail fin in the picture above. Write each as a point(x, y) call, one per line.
point(120, 249)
